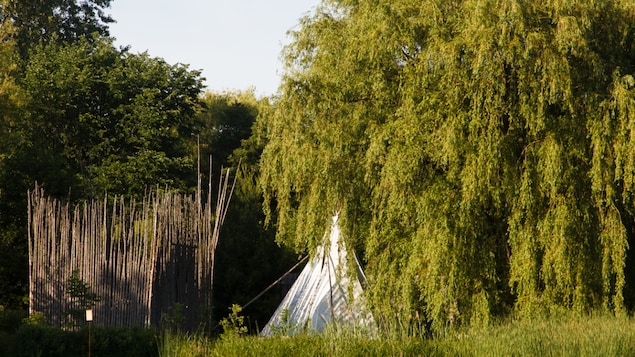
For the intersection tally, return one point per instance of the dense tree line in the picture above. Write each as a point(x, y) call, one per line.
point(81, 118)
point(480, 152)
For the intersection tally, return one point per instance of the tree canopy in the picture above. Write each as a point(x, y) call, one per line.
point(108, 119)
point(82, 118)
point(226, 120)
point(40, 22)
point(479, 151)
point(13, 282)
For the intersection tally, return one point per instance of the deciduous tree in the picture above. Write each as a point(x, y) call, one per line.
point(225, 120)
point(13, 275)
point(248, 259)
point(102, 119)
point(478, 151)
point(96, 119)
point(55, 21)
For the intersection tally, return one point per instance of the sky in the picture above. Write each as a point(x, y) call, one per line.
point(235, 43)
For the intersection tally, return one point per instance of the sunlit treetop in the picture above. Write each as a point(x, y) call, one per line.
point(477, 151)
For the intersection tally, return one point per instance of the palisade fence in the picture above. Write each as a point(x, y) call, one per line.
point(140, 258)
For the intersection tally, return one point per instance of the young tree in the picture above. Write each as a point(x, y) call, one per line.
point(477, 151)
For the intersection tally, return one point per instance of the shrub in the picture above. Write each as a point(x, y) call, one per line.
point(10, 320)
point(46, 341)
point(234, 324)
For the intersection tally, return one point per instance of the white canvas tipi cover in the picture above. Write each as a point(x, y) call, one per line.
point(324, 292)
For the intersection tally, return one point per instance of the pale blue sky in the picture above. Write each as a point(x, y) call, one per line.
point(236, 43)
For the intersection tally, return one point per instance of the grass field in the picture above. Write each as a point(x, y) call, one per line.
point(589, 335)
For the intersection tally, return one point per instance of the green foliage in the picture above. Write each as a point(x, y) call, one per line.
point(478, 152)
point(285, 327)
point(10, 320)
point(54, 21)
point(106, 119)
point(97, 119)
point(36, 318)
point(13, 272)
point(21, 336)
point(186, 345)
point(81, 298)
point(564, 335)
point(560, 334)
point(172, 321)
point(226, 120)
point(234, 324)
point(247, 257)
point(38, 340)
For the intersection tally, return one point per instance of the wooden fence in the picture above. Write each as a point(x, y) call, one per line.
point(139, 258)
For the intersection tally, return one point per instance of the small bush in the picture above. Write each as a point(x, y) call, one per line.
point(38, 340)
point(10, 320)
point(119, 341)
point(234, 324)
point(173, 320)
point(46, 341)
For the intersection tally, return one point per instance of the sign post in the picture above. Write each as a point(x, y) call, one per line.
point(89, 319)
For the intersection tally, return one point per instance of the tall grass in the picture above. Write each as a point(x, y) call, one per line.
point(557, 335)
point(172, 344)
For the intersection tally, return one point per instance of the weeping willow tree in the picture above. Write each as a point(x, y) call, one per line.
point(480, 152)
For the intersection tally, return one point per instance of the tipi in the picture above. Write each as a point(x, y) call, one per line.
point(324, 292)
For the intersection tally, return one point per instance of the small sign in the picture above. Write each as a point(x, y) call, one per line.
point(89, 315)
